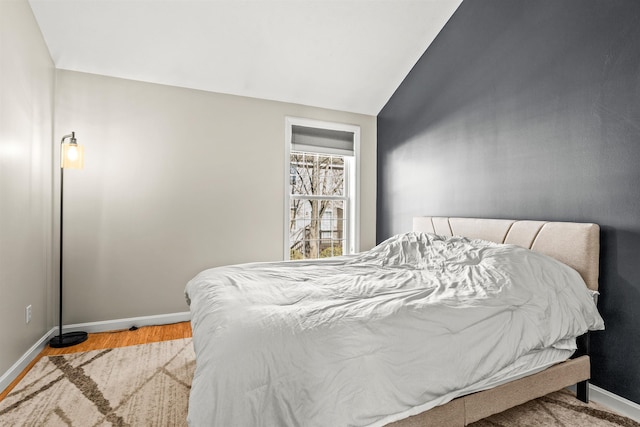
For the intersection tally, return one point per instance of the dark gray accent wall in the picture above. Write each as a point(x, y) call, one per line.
point(530, 110)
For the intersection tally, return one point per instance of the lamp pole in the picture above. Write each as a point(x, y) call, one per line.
point(70, 338)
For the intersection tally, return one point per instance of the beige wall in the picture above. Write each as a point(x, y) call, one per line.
point(26, 96)
point(175, 181)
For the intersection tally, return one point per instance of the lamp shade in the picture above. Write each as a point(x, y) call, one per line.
point(72, 156)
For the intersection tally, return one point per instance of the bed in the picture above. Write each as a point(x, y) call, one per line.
point(438, 326)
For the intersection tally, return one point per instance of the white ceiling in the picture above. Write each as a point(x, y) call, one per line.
point(347, 55)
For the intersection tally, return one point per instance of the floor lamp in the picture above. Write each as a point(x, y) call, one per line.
point(71, 157)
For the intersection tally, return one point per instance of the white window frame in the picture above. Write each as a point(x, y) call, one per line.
point(352, 180)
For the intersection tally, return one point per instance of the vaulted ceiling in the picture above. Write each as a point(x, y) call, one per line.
point(347, 55)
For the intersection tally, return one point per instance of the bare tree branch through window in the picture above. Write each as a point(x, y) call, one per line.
point(318, 202)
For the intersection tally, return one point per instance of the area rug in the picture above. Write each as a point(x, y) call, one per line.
point(142, 385)
point(148, 385)
point(559, 409)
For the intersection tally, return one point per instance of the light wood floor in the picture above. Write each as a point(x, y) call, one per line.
point(142, 335)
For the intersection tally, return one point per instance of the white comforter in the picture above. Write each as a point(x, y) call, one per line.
point(365, 339)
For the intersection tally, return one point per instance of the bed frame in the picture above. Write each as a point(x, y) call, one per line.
point(575, 244)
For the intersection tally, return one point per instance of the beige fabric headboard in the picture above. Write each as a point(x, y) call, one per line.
point(575, 244)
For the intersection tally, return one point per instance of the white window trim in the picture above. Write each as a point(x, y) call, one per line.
point(354, 187)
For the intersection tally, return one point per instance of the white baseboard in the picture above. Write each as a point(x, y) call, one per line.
point(24, 361)
point(612, 401)
point(119, 324)
point(108, 325)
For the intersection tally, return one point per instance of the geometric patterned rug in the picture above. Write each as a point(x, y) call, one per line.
point(149, 384)
point(142, 385)
point(560, 409)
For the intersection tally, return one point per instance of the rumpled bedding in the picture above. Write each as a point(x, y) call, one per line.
point(365, 339)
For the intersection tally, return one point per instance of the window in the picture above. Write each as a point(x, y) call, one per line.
point(321, 189)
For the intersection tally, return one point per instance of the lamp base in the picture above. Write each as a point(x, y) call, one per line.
point(68, 339)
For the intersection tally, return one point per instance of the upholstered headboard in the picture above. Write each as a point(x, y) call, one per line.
point(575, 244)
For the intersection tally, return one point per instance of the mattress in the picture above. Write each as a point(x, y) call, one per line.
point(367, 339)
